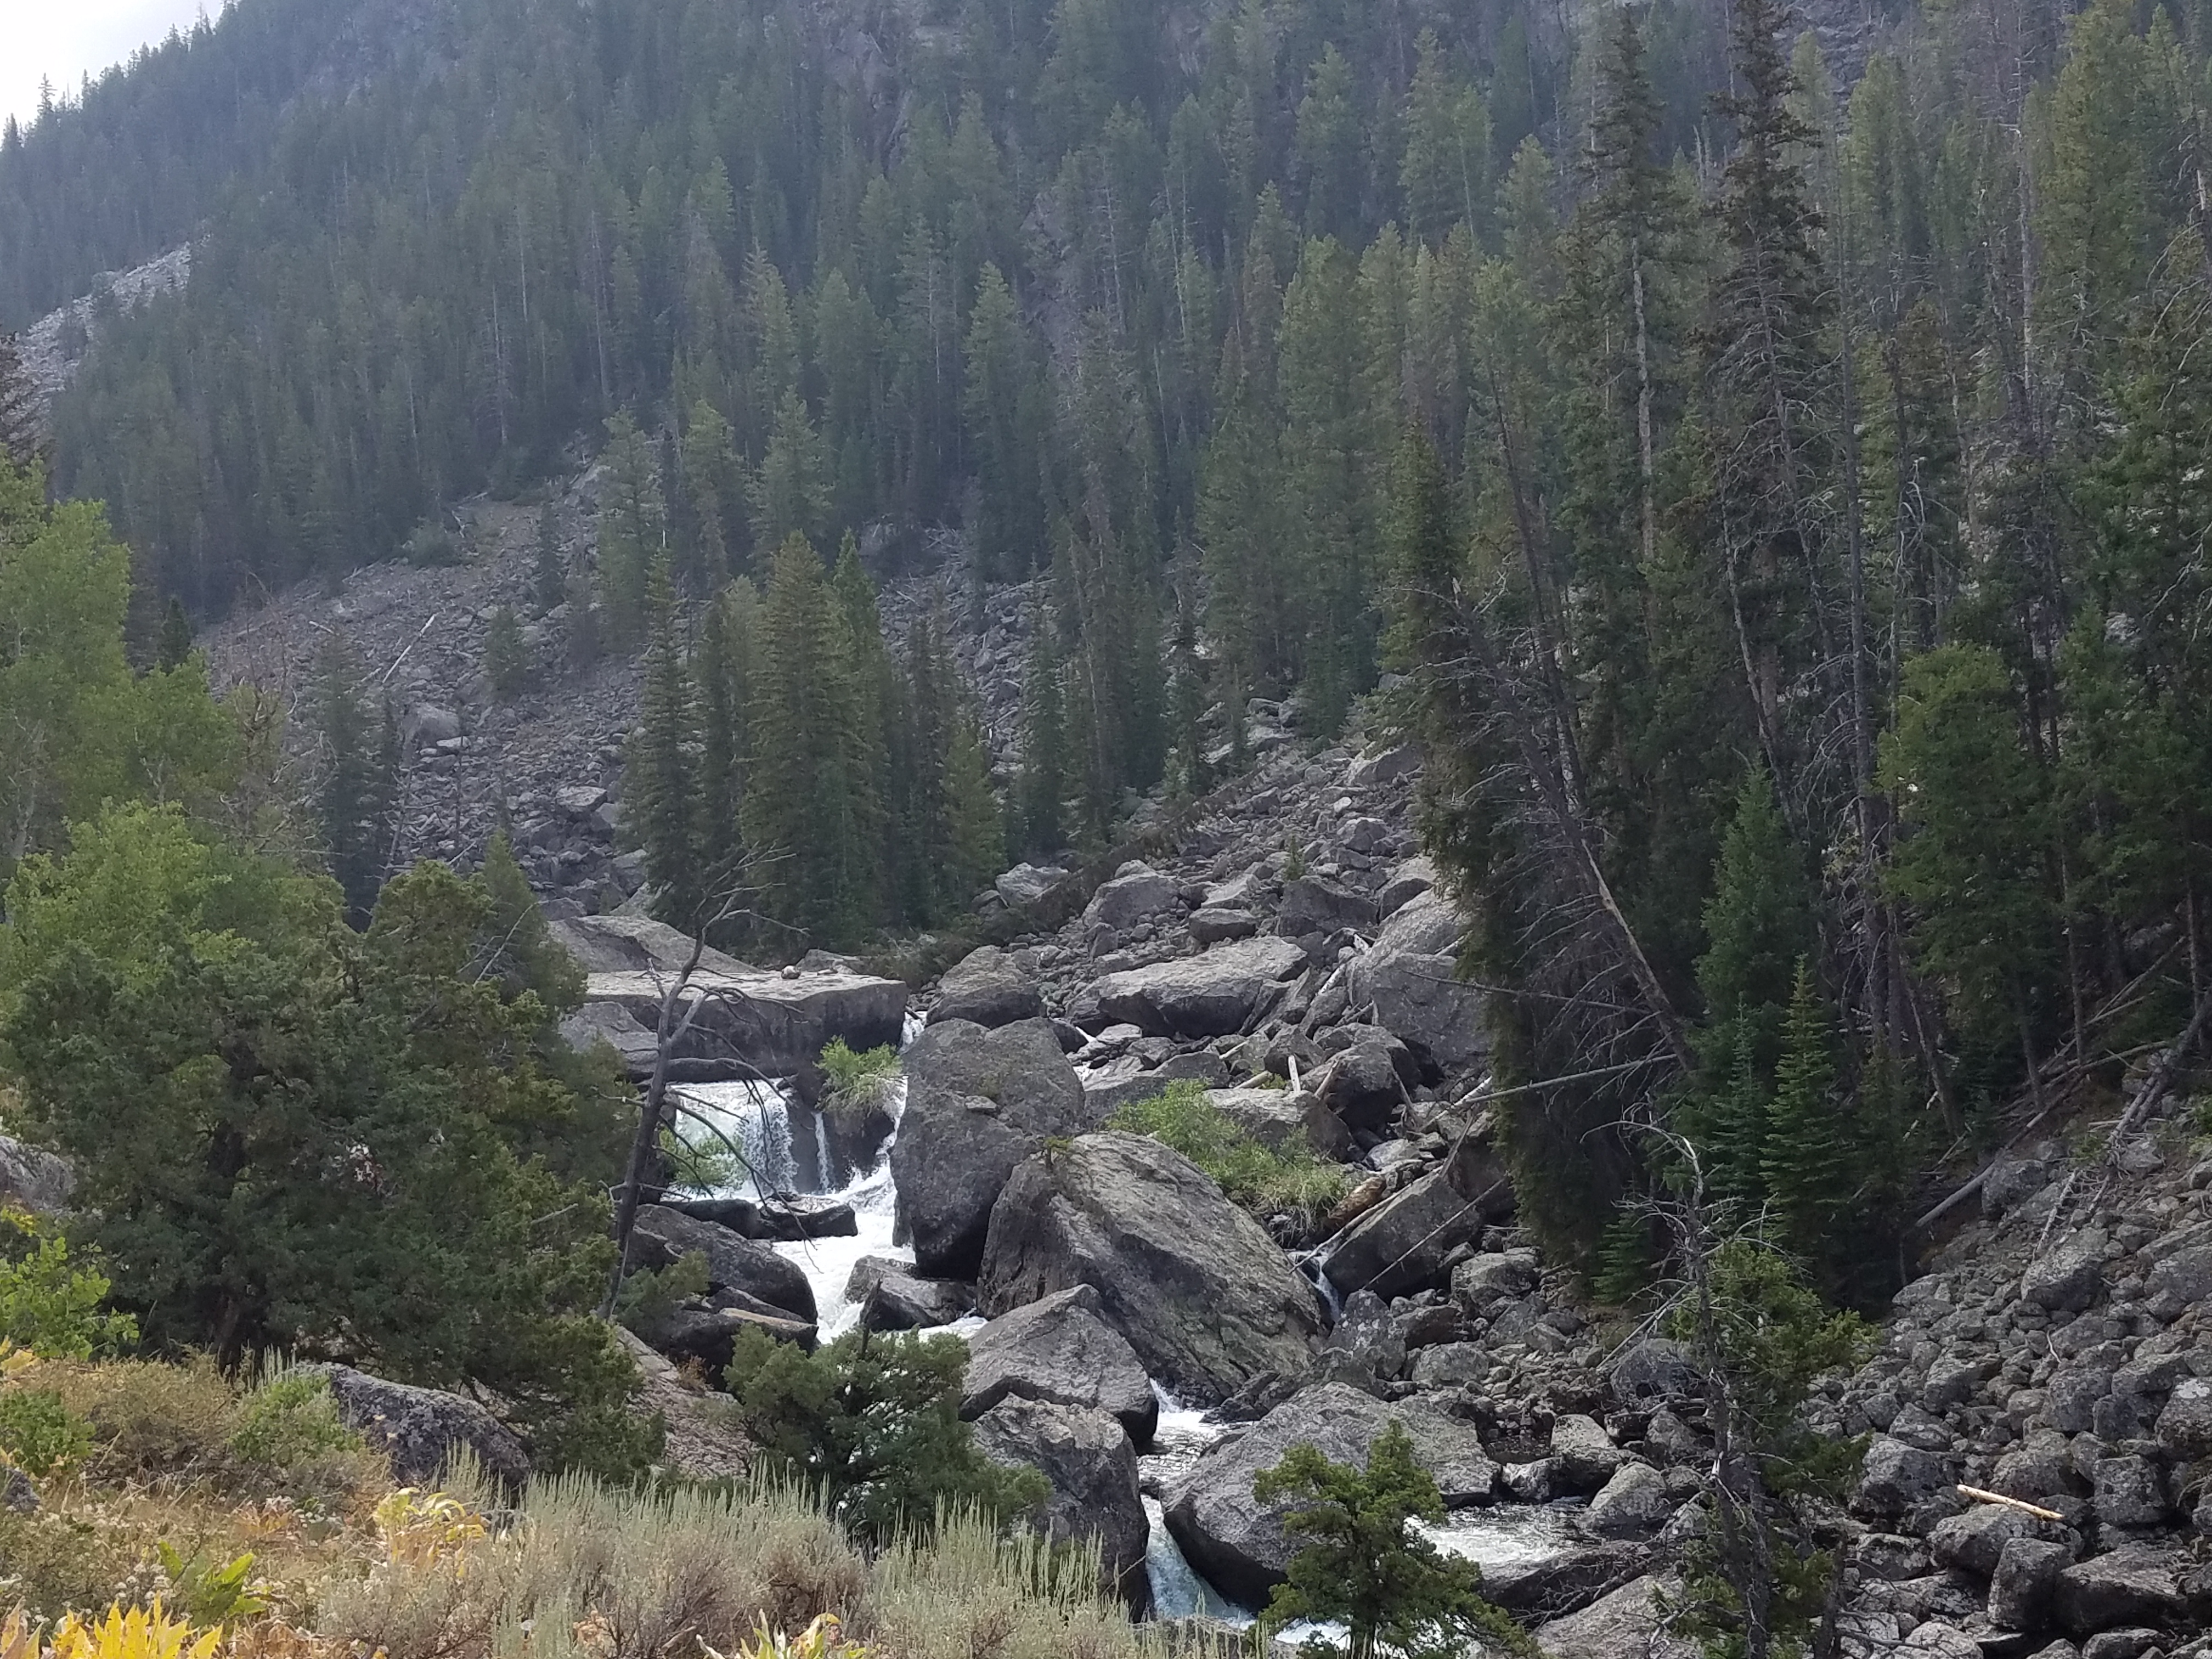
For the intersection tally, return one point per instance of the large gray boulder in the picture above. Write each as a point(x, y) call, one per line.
point(1400, 1244)
point(1092, 1470)
point(422, 1430)
point(1125, 1079)
point(986, 988)
point(746, 1017)
point(733, 1262)
point(978, 1103)
point(2070, 1276)
point(1411, 978)
point(1217, 992)
point(1278, 1118)
point(1025, 884)
point(1311, 905)
point(1201, 1293)
point(1061, 1349)
point(2134, 1585)
point(1896, 1479)
point(1631, 1623)
point(1137, 891)
point(1238, 1544)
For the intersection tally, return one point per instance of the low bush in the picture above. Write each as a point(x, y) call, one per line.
point(858, 1077)
point(39, 1433)
point(51, 1303)
point(872, 1423)
point(53, 1563)
point(1266, 1183)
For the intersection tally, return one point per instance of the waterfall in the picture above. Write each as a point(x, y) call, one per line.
point(754, 1116)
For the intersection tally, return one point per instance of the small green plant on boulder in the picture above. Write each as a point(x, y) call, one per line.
point(1364, 1565)
point(872, 1423)
point(1264, 1182)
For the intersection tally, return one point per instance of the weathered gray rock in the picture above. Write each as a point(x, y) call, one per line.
point(1138, 891)
point(1311, 905)
point(1973, 1541)
point(2134, 1585)
point(1277, 1117)
point(2129, 1491)
point(1362, 1084)
point(1416, 876)
point(767, 1021)
point(1061, 1349)
point(1411, 978)
point(978, 1103)
point(2181, 1282)
point(1897, 1478)
point(1633, 1504)
point(2184, 1427)
point(1238, 1544)
point(1645, 1372)
point(2022, 1581)
point(1218, 992)
point(1367, 1336)
point(901, 1302)
point(2070, 1276)
point(986, 989)
point(709, 1334)
point(1481, 1282)
point(1196, 1285)
point(2038, 1471)
point(1025, 884)
point(420, 1429)
point(1629, 1623)
point(33, 1178)
point(733, 1262)
point(1394, 764)
point(1124, 1080)
point(1400, 1244)
point(1450, 1364)
point(1554, 1583)
point(1092, 1470)
point(1211, 924)
point(1583, 1456)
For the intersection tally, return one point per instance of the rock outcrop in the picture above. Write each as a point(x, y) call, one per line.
point(1208, 1300)
point(1059, 1349)
point(422, 1430)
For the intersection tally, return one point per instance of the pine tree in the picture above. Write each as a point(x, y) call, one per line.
point(791, 488)
point(632, 526)
point(724, 672)
point(1044, 742)
point(549, 570)
point(506, 658)
point(661, 778)
point(358, 798)
point(1809, 1161)
point(712, 485)
point(975, 838)
point(175, 646)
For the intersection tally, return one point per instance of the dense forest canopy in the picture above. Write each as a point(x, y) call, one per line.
point(1776, 469)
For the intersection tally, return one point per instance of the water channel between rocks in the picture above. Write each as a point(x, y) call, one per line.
point(787, 1149)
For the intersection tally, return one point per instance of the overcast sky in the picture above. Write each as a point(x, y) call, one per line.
point(62, 39)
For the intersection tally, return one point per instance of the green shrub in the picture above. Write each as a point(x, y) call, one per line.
point(650, 1294)
point(290, 1419)
point(150, 1420)
point(872, 1422)
point(55, 1563)
point(857, 1076)
point(39, 1432)
point(49, 1304)
point(1263, 1181)
point(1394, 1590)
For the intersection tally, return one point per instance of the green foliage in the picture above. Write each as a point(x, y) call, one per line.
point(288, 1135)
point(289, 1420)
point(507, 657)
point(39, 1433)
point(430, 547)
point(872, 1422)
point(858, 1076)
point(359, 795)
point(1263, 1180)
point(1362, 1564)
point(1809, 1160)
point(650, 1294)
point(1625, 1266)
point(50, 1305)
point(212, 1593)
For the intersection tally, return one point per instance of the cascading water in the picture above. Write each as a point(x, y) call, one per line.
point(756, 1118)
point(1180, 1439)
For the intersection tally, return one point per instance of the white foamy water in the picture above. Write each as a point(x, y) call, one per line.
point(1504, 1534)
point(1178, 1442)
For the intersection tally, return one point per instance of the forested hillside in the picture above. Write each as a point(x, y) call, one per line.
point(1785, 498)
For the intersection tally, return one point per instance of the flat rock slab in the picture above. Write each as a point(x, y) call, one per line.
point(1218, 992)
point(771, 1021)
point(1238, 1544)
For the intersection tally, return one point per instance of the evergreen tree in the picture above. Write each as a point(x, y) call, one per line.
point(975, 838)
point(724, 670)
point(660, 777)
point(1811, 1167)
point(713, 484)
point(550, 568)
point(175, 646)
point(1044, 743)
point(507, 657)
point(632, 526)
point(358, 797)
